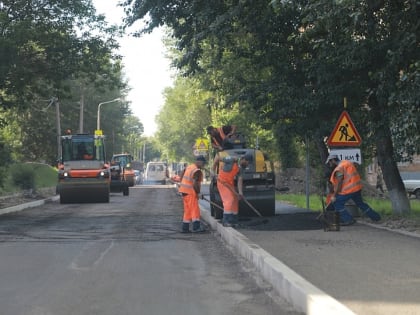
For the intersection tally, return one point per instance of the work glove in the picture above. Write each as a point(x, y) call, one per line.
point(333, 199)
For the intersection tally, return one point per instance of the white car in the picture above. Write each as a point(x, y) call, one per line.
point(156, 173)
point(412, 186)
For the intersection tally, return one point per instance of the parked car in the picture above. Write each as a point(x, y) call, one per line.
point(412, 186)
point(156, 173)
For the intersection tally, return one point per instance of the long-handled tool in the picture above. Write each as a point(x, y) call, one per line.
point(329, 219)
point(251, 206)
point(241, 197)
point(211, 202)
point(219, 207)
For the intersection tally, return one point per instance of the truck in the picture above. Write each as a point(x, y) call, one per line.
point(258, 180)
point(126, 160)
point(412, 187)
point(83, 174)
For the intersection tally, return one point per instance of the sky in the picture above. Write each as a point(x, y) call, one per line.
point(145, 67)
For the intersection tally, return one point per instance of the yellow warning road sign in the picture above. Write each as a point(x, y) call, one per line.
point(201, 144)
point(344, 133)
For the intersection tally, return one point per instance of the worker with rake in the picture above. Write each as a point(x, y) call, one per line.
point(230, 168)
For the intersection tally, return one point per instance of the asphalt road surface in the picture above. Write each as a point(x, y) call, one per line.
point(125, 257)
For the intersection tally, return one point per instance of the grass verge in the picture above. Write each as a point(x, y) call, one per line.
point(44, 176)
point(383, 206)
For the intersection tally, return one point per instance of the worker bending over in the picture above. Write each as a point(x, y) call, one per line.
point(229, 169)
point(347, 185)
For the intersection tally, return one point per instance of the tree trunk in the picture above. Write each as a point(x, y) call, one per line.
point(382, 133)
point(391, 174)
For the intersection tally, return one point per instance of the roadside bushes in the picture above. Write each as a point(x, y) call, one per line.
point(23, 176)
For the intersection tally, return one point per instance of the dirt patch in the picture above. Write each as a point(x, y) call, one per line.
point(24, 197)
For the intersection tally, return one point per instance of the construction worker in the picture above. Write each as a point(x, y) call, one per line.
point(230, 169)
point(218, 135)
point(189, 188)
point(347, 185)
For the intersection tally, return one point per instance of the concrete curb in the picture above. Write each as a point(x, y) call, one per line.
point(380, 227)
point(304, 296)
point(28, 205)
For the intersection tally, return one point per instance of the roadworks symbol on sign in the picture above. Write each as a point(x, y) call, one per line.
point(344, 133)
point(201, 144)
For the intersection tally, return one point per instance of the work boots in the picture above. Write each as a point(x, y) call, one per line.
point(197, 227)
point(230, 220)
point(227, 219)
point(373, 215)
point(185, 227)
point(235, 220)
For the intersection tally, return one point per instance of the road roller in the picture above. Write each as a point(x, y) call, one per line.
point(83, 174)
point(126, 162)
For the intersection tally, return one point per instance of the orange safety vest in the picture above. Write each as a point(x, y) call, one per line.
point(228, 177)
point(187, 183)
point(351, 181)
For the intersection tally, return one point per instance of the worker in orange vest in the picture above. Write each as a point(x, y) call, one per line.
point(218, 135)
point(230, 170)
point(190, 187)
point(347, 185)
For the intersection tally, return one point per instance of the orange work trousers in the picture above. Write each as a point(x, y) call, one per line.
point(229, 198)
point(191, 208)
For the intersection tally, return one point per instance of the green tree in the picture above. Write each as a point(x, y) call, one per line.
point(44, 42)
point(294, 61)
point(132, 134)
point(373, 46)
point(53, 49)
point(182, 119)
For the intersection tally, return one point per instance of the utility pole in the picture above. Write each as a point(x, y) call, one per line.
point(82, 109)
point(58, 125)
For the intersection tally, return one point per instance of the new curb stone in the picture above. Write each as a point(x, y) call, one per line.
point(300, 293)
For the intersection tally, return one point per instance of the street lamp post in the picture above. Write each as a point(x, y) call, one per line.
point(98, 122)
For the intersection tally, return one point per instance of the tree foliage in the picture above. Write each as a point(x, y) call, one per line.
point(293, 62)
point(182, 119)
point(43, 43)
point(58, 50)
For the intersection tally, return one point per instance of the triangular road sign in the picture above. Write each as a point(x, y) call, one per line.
point(201, 144)
point(344, 133)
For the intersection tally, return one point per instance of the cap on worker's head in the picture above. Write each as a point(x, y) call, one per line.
point(201, 158)
point(331, 157)
point(210, 129)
